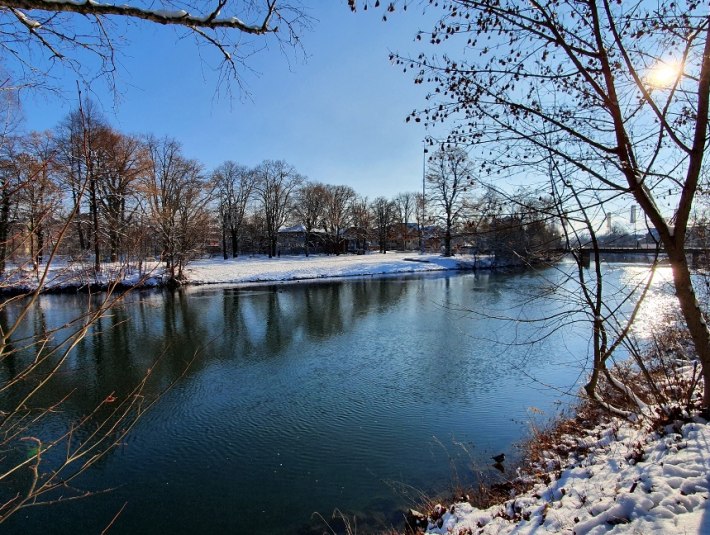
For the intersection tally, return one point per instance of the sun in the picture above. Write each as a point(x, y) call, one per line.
point(664, 74)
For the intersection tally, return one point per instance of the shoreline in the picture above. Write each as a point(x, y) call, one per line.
point(595, 473)
point(601, 476)
point(64, 278)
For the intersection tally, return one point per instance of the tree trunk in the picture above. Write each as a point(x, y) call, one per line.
point(76, 199)
point(95, 221)
point(114, 240)
point(80, 232)
point(224, 243)
point(4, 227)
point(693, 315)
point(40, 245)
point(33, 254)
point(235, 242)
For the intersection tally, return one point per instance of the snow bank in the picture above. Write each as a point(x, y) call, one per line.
point(631, 480)
point(63, 274)
point(293, 268)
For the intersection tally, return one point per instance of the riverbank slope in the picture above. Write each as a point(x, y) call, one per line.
point(651, 476)
point(65, 275)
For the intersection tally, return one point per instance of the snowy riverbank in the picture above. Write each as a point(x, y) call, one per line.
point(618, 477)
point(300, 268)
point(64, 275)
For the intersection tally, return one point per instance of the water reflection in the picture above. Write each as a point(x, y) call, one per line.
point(306, 397)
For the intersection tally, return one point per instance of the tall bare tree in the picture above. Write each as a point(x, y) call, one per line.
point(310, 208)
point(39, 194)
point(619, 90)
point(361, 222)
point(276, 187)
point(177, 203)
point(336, 214)
point(77, 142)
point(9, 121)
point(235, 188)
point(449, 183)
point(10, 187)
point(384, 212)
point(405, 203)
point(120, 161)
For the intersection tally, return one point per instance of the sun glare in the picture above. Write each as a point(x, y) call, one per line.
point(664, 74)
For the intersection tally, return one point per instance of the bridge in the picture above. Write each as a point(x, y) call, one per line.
point(586, 252)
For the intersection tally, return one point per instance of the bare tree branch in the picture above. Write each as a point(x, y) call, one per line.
point(179, 17)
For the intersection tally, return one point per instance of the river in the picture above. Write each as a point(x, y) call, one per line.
point(361, 395)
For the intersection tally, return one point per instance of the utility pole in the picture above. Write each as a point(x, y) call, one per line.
point(423, 222)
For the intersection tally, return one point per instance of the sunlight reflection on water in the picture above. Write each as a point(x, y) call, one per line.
point(660, 303)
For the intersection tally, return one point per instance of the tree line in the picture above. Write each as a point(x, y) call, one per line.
point(118, 197)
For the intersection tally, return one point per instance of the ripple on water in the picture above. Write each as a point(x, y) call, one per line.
point(384, 387)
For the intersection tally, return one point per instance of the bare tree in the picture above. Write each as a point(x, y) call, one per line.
point(39, 194)
point(383, 211)
point(73, 170)
point(405, 203)
point(9, 121)
point(78, 141)
point(10, 187)
point(120, 162)
point(520, 228)
point(277, 184)
point(310, 207)
point(177, 203)
point(362, 222)
point(30, 196)
point(620, 91)
point(336, 214)
point(235, 188)
point(449, 181)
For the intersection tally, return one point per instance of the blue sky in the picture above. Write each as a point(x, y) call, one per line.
point(338, 116)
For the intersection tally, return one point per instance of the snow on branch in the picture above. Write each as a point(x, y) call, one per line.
point(179, 17)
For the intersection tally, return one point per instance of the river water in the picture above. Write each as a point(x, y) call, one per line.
point(361, 395)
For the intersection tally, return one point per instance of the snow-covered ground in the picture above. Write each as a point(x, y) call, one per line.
point(242, 270)
point(629, 480)
point(293, 268)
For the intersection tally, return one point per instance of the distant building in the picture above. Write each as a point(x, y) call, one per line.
point(293, 240)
